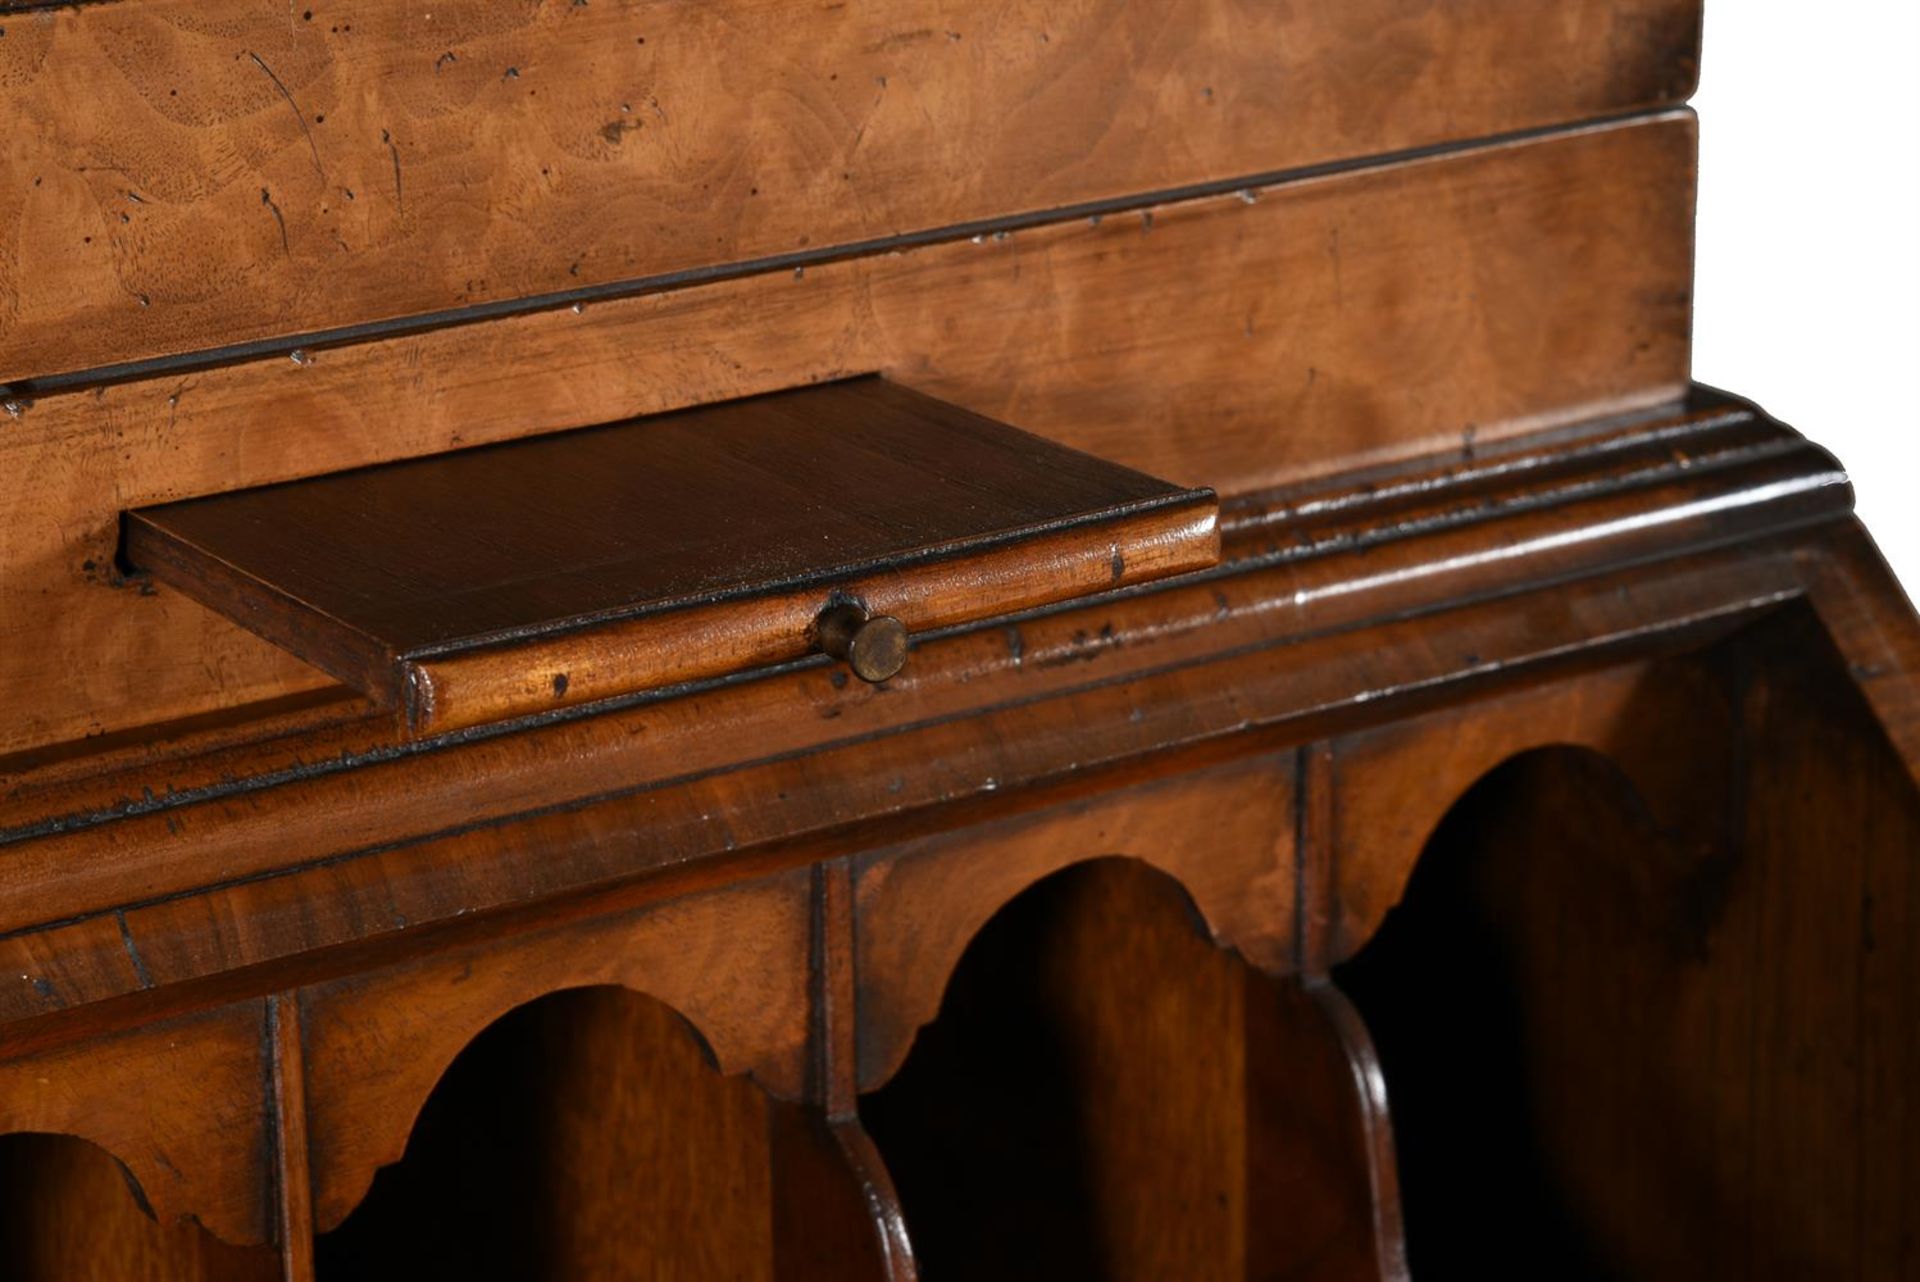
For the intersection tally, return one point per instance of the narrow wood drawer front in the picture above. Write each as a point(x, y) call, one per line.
point(501, 582)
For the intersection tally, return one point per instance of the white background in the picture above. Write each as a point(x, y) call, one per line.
point(1808, 293)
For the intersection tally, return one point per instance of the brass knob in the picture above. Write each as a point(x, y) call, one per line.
point(874, 646)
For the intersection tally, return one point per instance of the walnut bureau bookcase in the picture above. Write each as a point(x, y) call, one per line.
point(795, 641)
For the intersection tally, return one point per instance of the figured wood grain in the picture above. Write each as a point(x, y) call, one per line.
point(540, 574)
point(1374, 507)
point(1213, 342)
point(181, 175)
point(1710, 1075)
point(600, 1137)
point(1584, 621)
point(1227, 697)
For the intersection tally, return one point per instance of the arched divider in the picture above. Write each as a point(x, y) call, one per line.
point(181, 1104)
point(70, 1209)
point(1531, 930)
point(1392, 786)
point(588, 1134)
point(732, 963)
point(1659, 983)
point(1082, 1053)
point(1108, 1093)
point(629, 1096)
point(1225, 833)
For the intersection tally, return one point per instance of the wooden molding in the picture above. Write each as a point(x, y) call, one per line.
point(1339, 610)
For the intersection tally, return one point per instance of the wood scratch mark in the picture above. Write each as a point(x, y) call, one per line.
point(140, 971)
point(899, 39)
point(861, 133)
point(399, 197)
point(298, 116)
point(173, 401)
point(266, 198)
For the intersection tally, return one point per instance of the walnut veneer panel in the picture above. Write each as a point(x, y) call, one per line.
point(1233, 341)
point(181, 174)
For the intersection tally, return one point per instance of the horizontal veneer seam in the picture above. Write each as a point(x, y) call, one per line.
point(20, 395)
point(21, 8)
point(1069, 332)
